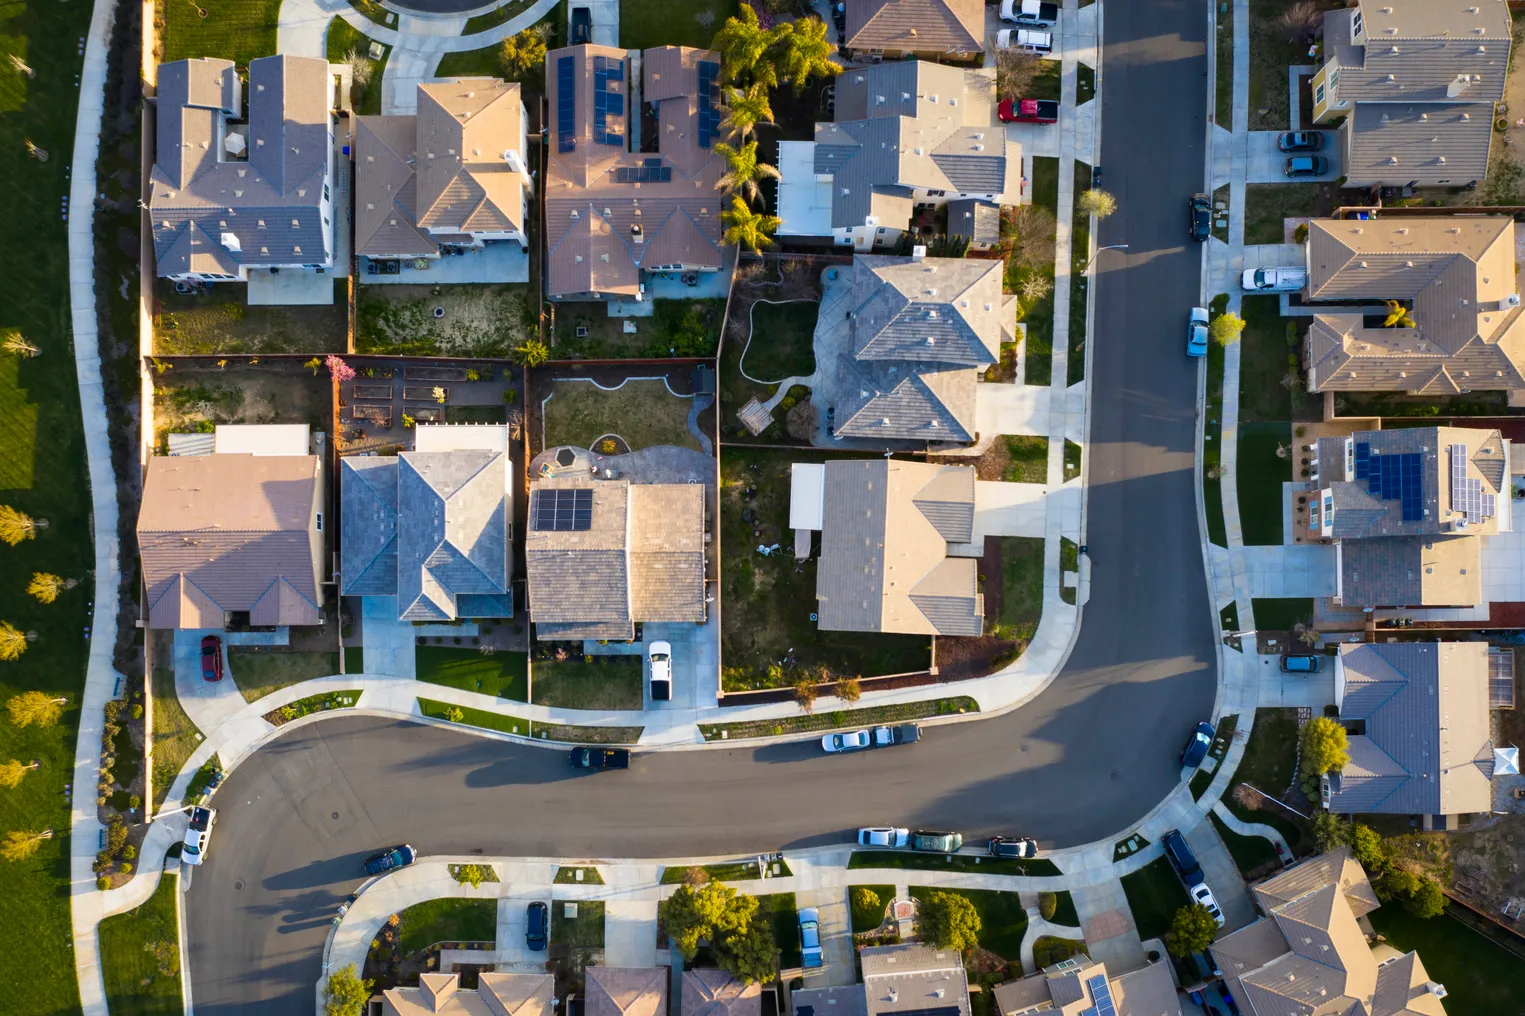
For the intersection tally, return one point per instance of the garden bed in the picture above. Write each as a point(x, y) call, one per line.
point(312, 704)
point(807, 722)
point(970, 863)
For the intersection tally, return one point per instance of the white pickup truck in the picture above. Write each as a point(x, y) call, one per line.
point(1274, 280)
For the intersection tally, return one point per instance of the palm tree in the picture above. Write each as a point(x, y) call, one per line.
point(742, 42)
point(11, 772)
point(804, 53)
point(746, 108)
point(16, 526)
point(753, 230)
point(18, 845)
point(743, 170)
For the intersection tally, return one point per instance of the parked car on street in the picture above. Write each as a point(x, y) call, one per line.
point(1300, 141)
point(1274, 280)
point(193, 849)
point(1300, 664)
point(211, 658)
point(1196, 749)
point(1025, 39)
point(883, 836)
point(1307, 165)
point(536, 921)
point(849, 740)
point(389, 860)
point(1181, 858)
point(810, 939)
point(936, 842)
point(1032, 13)
point(600, 758)
point(1028, 111)
point(1199, 217)
point(659, 656)
point(1013, 846)
point(1196, 332)
point(906, 733)
point(1200, 893)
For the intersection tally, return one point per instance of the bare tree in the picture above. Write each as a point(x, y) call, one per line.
point(1300, 18)
point(17, 345)
point(1035, 287)
point(1033, 229)
point(1014, 72)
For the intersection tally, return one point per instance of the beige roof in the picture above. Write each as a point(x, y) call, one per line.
point(1338, 866)
point(601, 226)
point(921, 26)
point(1021, 994)
point(1146, 992)
point(496, 995)
point(1248, 949)
point(1459, 274)
point(914, 979)
point(626, 991)
point(884, 549)
point(1427, 51)
point(219, 533)
point(711, 992)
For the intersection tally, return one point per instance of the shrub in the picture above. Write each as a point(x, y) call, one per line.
point(949, 921)
point(103, 883)
point(1048, 905)
point(1300, 234)
point(868, 908)
point(129, 852)
point(454, 714)
point(137, 712)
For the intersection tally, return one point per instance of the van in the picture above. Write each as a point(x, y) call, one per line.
point(1182, 859)
point(1026, 39)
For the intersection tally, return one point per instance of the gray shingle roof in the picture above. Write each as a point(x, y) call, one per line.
point(979, 222)
point(368, 513)
point(921, 26)
point(1426, 143)
point(1411, 571)
point(1416, 50)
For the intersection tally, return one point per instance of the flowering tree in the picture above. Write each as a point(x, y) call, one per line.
point(338, 369)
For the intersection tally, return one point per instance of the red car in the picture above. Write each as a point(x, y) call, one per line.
point(1028, 111)
point(211, 658)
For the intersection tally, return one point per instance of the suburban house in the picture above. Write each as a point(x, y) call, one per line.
point(909, 138)
point(926, 29)
point(708, 991)
point(914, 979)
point(915, 332)
point(603, 555)
point(1080, 985)
point(432, 527)
point(1407, 510)
point(231, 194)
point(886, 530)
point(496, 994)
point(978, 222)
point(632, 175)
point(1456, 278)
point(1309, 954)
point(625, 991)
point(1417, 717)
point(449, 179)
point(232, 538)
point(1413, 83)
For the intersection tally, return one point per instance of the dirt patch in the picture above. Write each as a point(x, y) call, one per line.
point(488, 320)
point(990, 466)
point(219, 320)
point(642, 413)
point(196, 395)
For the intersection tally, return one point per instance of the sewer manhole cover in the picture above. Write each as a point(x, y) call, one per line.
point(333, 814)
point(238, 885)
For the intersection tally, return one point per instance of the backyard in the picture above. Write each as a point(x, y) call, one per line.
point(1264, 464)
point(196, 395)
point(605, 682)
point(237, 30)
point(219, 320)
point(647, 23)
point(475, 320)
point(641, 413)
point(786, 295)
point(1481, 977)
point(502, 674)
point(140, 956)
point(675, 328)
point(782, 342)
point(1154, 895)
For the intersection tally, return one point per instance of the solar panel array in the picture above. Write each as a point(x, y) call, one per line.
point(563, 510)
point(608, 105)
point(1467, 494)
point(709, 106)
point(649, 171)
point(1500, 679)
point(566, 104)
point(1101, 993)
point(1363, 460)
point(1396, 478)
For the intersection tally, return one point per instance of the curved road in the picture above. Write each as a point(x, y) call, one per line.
point(1089, 756)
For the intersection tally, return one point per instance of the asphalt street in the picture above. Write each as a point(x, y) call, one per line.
point(1092, 754)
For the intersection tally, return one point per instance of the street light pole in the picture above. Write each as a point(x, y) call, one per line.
point(1115, 246)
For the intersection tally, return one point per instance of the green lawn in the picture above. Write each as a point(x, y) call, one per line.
point(237, 30)
point(1199, 783)
point(1003, 921)
point(609, 682)
point(476, 717)
point(1029, 459)
point(1085, 83)
point(1022, 590)
point(1481, 977)
point(342, 38)
point(140, 956)
point(567, 875)
point(783, 340)
point(479, 321)
point(642, 413)
point(496, 16)
point(1267, 204)
point(1270, 757)
point(1080, 254)
point(1260, 474)
point(1039, 317)
point(915, 860)
point(1263, 361)
point(544, 731)
point(501, 674)
point(869, 918)
point(1250, 853)
point(1069, 561)
point(585, 931)
point(1212, 440)
point(1154, 895)
point(1223, 92)
point(42, 472)
point(257, 673)
point(839, 718)
point(175, 736)
point(1282, 614)
point(782, 910)
point(727, 871)
point(1045, 84)
point(647, 23)
point(448, 920)
point(471, 63)
point(1072, 455)
point(1064, 913)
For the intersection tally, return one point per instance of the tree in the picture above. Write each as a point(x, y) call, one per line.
point(1097, 202)
point(1225, 328)
point(346, 994)
point(1191, 930)
point(17, 345)
point(742, 42)
point(19, 845)
point(523, 55)
point(338, 369)
point(1328, 832)
point(13, 642)
point(1324, 747)
point(45, 586)
point(752, 230)
point(1300, 18)
point(804, 52)
point(691, 914)
point(948, 921)
point(1396, 884)
point(749, 953)
point(1427, 900)
point(1031, 229)
point(532, 354)
point(849, 689)
point(316, 361)
point(35, 708)
point(1034, 287)
point(1014, 71)
point(1398, 316)
point(12, 772)
point(742, 170)
point(1368, 848)
point(1048, 905)
point(16, 526)
point(806, 691)
point(745, 109)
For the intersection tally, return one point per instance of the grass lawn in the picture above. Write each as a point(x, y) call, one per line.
point(1029, 459)
point(496, 16)
point(1220, 197)
point(501, 674)
point(869, 918)
point(585, 931)
point(237, 30)
point(476, 717)
point(1261, 473)
point(676, 328)
point(448, 920)
point(1071, 460)
point(1085, 83)
point(1282, 614)
point(566, 875)
point(609, 682)
point(782, 910)
point(641, 413)
point(1064, 912)
point(1481, 977)
point(1046, 82)
point(1272, 50)
point(1039, 317)
point(1270, 756)
point(544, 731)
point(1069, 561)
point(1223, 93)
point(1250, 853)
point(342, 38)
point(1154, 895)
point(487, 320)
point(726, 871)
point(1267, 204)
point(222, 322)
point(1212, 440)
point(783, 340)
point(42, 473)
point(1003, 921)
point(839, 718)
point(647, 23)
point(1263, 361)
point(175, 736)
point(1080, 256)
point(257, 674)
point(471, 63)
point(1199, 783)
point(918, 861)
point(140, 956)
point(1022, 587)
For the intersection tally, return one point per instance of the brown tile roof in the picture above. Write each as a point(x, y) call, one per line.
point(220, 533)
point(710, 992)
point(626, 991)
point(920, 26)
point(497, 994)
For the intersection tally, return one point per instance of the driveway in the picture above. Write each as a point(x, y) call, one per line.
point(836, 928)
point(1223, 876)
point(513, 921)
point(1268, 164)
point(208, 703)
point(389, 646)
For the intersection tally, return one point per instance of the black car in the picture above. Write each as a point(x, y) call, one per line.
point(389, 860)
point(1307, 165)
point(1013, 846)
point(600, 758)
point(1300, 141)
point(1181, 858)
point(1200, 216)
point(535, 924)
point(582, 26)
point(936, 842)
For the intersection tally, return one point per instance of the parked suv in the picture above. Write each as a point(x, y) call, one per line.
point(936, 842)
point(1199, 217)
point(536, 920)
point(1300, 664)
point(1013, 846)
point(193, 849)
point(1182, 859)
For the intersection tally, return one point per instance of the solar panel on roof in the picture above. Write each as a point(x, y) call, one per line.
point(566, 104)
point(1363, 460)
point(562, 510)
point(1101, 991)
point(709, 110)
point(1467, 494)
point(608, 101)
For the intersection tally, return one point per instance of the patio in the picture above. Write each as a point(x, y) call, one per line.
point(497, 262)
point(380, 405)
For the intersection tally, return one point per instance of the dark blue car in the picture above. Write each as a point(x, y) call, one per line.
point(387, 860)
point(1196, 748)
point(535, 925)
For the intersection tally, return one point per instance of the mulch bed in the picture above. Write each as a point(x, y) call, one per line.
point(960, 659)
point(989, 466)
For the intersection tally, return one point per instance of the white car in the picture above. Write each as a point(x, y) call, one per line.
point(850, 740)
point(1274, 280)
point(659, 656)
point(883, 836)
point(1196, 332)
point(1026, 39)
point(1033, 13)
point(1200, 893)
point(193, 849)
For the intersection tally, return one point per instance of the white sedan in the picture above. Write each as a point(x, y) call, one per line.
point(883, 836)
point(1200, 893)
point(849, 741)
